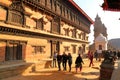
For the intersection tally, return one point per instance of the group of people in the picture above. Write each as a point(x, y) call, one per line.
point(99, 54)
point(66, 59)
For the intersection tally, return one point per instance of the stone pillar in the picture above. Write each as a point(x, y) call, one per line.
point(106, 70)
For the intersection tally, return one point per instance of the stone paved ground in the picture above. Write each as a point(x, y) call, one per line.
point(88, 73)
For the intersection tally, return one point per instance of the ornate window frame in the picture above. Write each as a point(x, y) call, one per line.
point(66, 48)
point(55, 25)
point(16, 13)
point(40, 24)
point(74, 48)
point(38, 49)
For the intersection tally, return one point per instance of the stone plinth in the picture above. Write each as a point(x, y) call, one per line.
point(106, 71)
point(9, 70)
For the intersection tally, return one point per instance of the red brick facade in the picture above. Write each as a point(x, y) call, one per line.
point(2, 53)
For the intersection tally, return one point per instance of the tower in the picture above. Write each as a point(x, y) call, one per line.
point(99, 27)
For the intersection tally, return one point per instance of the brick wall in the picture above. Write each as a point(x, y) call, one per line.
point(2, 52)
point(2, 14)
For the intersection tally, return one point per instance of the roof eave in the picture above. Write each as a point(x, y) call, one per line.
point(81, 11)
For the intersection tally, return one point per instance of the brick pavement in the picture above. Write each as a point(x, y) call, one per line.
point(88, 73)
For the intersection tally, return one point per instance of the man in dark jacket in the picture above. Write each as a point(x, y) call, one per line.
point(79, 62)
point(64, 60)
point(59, 59)
point(69, 61)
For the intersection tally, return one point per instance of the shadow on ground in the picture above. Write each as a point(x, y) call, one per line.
point(53, 75)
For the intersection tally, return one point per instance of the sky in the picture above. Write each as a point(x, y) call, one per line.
point(109, 18)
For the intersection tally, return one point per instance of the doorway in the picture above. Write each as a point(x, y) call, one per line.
point(55, 47)
point(13, 52)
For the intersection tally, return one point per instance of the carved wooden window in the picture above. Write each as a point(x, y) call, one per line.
point(66, 48)
point(38, 49)
point(68, 14)
point(53, 5)
point(13, 51)
point(49, 4)
point(55, 26)
point(74, 31)
point(16, 13)
point(77, 20)
point(79, 35)
point(71, 16)
point(66, 31)
point(87, 38)
point(58, 9)
point(74, 48)
point(63, 11)
point(43, 2)
point(80, 50)
point(84, 47)
point(39, 24)
point(15, 18)
point(84, 36)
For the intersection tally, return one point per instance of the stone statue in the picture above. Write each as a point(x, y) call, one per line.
point(108, 58)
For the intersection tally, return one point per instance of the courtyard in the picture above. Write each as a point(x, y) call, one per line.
point(87, 73)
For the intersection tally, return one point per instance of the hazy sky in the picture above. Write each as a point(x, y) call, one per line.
point(110, 19)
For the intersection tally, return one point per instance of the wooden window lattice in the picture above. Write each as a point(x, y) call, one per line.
point(39, 24)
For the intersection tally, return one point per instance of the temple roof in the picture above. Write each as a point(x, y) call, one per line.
point(111, 5)
point(81, 11)
point(100, 38)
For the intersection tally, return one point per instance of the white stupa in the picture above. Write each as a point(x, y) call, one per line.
point(101, 42)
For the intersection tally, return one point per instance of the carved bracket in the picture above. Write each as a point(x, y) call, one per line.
point(17, 5)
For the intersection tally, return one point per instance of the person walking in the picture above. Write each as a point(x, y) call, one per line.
point(96, 55)
point(88, 54)
point(78, 63)
point(69, 61)
point(99, 54)
point(59, 60)
point(91, 59)
point(64, 60)
point(54, 59)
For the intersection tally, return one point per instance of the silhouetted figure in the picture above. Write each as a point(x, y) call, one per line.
point(59, 60)
point(118, 54)
point(54, 59)
point(91, 59)
point(78, 63)
point(64, 60)
point(69, 61)
point(96, 55)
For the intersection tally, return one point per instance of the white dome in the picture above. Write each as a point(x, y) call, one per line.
point(100, 38)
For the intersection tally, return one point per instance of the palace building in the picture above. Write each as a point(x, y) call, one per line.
point(32, 30)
